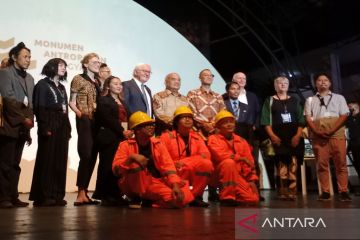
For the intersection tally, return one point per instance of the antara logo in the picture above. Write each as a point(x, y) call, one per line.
point(289, 222)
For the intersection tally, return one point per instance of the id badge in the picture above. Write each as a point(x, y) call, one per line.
point(26, 101)
point(64, 108)
point(286, 117)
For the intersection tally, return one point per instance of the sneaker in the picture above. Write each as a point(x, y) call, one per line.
point(135, 203)
point(325, 196)
point(344, 197)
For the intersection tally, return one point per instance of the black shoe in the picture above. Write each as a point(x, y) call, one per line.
point(61, 202)
point(44, 203)
point(198, 202)
point(213, 195)
point(261, 198)
point(344, 197)
point(18, 203)
point(6, 204)
point(325, 196)
point(228, 203)
point(135, 203)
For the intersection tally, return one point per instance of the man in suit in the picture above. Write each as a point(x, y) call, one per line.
point(16, 88)
point(137, 96)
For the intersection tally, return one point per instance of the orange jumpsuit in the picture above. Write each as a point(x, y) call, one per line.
point(197, 166)
point(137, 181)
point(232, 174)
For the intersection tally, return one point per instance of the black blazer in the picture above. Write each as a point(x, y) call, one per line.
point(249, 113)
point(107, 116)
point(134, 98)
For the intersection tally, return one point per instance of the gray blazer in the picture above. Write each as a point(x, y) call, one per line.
point(14, 89)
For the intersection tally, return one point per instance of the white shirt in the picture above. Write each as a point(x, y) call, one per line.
point(242, 97)
point(148, 97)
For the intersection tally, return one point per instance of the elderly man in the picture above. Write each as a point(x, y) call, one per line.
point(205, 103)
point(146, 169)
point(137, 96)
point(190, 154)
point(166, 102)
point(16, 88)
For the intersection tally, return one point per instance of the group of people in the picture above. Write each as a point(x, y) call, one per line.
point(159, 150)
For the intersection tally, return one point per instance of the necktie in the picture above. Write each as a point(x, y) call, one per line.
point(146, 100)
point(236, 109)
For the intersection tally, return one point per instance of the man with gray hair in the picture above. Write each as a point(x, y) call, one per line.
point(166, 102)
point(137, 96)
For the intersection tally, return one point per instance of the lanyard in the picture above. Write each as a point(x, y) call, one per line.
point(322, 102)
point(283, 102)
point(187, 147)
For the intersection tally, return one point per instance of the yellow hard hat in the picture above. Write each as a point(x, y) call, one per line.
point(183, 110)
point(223, 114)
point(138, 118)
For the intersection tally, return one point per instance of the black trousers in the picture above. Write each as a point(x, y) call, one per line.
point(10, 156)
point(87, 150)
point(355, 150)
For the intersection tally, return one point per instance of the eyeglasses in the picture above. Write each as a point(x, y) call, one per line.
point(145, 71)
point(95, 63)
point(208, 75)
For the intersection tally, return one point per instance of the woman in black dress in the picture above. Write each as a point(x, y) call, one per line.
point(283, 118)
point(112, 119)
point(51, 111)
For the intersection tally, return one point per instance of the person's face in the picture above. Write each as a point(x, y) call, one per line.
point(206, 77)
point(322, 83)
point(185, 122)
point(173, 82)
point(281, 86)
point(115, 86)
point(23, 59)
point(143, 73)
point(240, 78)
point(147, 130)
point(104, 73)
point(226, 126)
point(61, 69)
point(234, 91)
point(93, 65)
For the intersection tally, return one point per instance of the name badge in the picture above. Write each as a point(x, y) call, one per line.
point(64, 108)
point(286, 117)
point(26, 101)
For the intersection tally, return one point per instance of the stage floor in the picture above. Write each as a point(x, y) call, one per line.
point(98, 222)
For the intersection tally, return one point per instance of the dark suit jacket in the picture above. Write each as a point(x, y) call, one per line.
point(133, 97)
point(13, 89)
point(107, 117)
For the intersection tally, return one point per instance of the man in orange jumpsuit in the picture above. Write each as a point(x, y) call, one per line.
point(189, 152)
point(234, 164)
point(146, 169)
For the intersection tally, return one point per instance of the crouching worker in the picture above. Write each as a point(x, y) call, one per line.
point(233, 162)
point(189, 153)
point(147, 172)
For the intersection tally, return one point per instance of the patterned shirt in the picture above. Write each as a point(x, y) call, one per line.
point(166, 102)
point(205, 104)
point(86, 93)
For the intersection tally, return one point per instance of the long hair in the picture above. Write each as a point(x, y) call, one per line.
point(106, 87)
point(51, 68)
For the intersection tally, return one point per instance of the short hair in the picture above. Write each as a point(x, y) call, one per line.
point(103, 65)
point(15, 51)
point(87, 58)
point(206, 69)
point(228, 85)
point(51, 68)
point(317, 75)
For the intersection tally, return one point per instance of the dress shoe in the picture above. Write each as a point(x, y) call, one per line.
point(61, 203)
point(18, 203)
point(6, 204)
point(44, 203)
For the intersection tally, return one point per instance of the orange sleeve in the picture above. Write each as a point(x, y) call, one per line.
point(202, 150)
point(218, 149)
point(119, 164)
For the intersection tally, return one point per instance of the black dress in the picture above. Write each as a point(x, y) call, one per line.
point(109, 116)
point(51, 111)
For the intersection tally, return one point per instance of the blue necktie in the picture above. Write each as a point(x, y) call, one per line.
point(236, 109)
